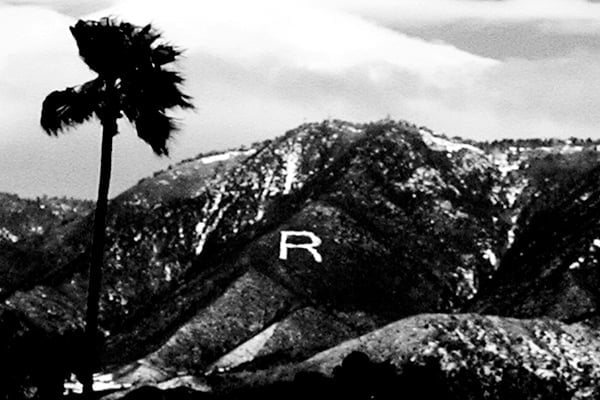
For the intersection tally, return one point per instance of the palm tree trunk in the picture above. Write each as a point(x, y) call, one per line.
point(109, 129)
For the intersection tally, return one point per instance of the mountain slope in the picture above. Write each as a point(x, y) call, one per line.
point(479, 357)
point(24, 226)
point(407, 222)
point(552, 267)
point(367, 268)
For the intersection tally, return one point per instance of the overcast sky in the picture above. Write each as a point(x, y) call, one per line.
point(481, 69)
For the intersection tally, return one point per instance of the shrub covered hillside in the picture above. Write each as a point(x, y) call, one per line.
point(406, 222)
point(25, 225)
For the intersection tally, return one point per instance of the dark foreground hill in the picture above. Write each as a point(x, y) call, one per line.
point(467, 356)
point(402, 222)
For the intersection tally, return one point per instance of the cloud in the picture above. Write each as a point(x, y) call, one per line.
point(563, 89)
point(38, 56)
point(307, 54)
point(578, 19)
point(507, 40)
point(294, 34)
point(256, 69)
point(434, 11)
point(555, 97)
point(67, 7)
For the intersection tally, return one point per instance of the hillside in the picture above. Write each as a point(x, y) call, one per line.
point(25, 224)
point(473, 356)
point(407, 222)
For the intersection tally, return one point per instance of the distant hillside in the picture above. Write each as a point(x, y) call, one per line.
point(25, 225)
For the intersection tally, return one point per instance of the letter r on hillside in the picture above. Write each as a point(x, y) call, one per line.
point(315, 242)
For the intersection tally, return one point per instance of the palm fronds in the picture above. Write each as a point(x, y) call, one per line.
point(155, 128)
point(113, 48)
point(164, 54)
point(134, 59)
point(155, 89)
point(132, 78)
point(63, 109)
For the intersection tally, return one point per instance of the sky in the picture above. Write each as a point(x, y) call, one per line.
point(481, 69)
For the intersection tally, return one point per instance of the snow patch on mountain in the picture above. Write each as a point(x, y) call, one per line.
point(226, 156)
point(466, 286)
point(504, 163)
point(212, 213)
point(489, 255)
point(8, 235)
point(264, 193)
point(425, 179)
point(291, 168)
point(439, 143)
point(513, 192)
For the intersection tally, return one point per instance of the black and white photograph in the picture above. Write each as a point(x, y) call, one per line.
point(299, 199)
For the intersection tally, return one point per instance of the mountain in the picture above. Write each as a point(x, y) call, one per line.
point(551, 268)
point(268, 254)
point(24, 226)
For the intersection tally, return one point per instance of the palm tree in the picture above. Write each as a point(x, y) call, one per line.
point(132, 81)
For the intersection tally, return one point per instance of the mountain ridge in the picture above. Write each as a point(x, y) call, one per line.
point(411, 222)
